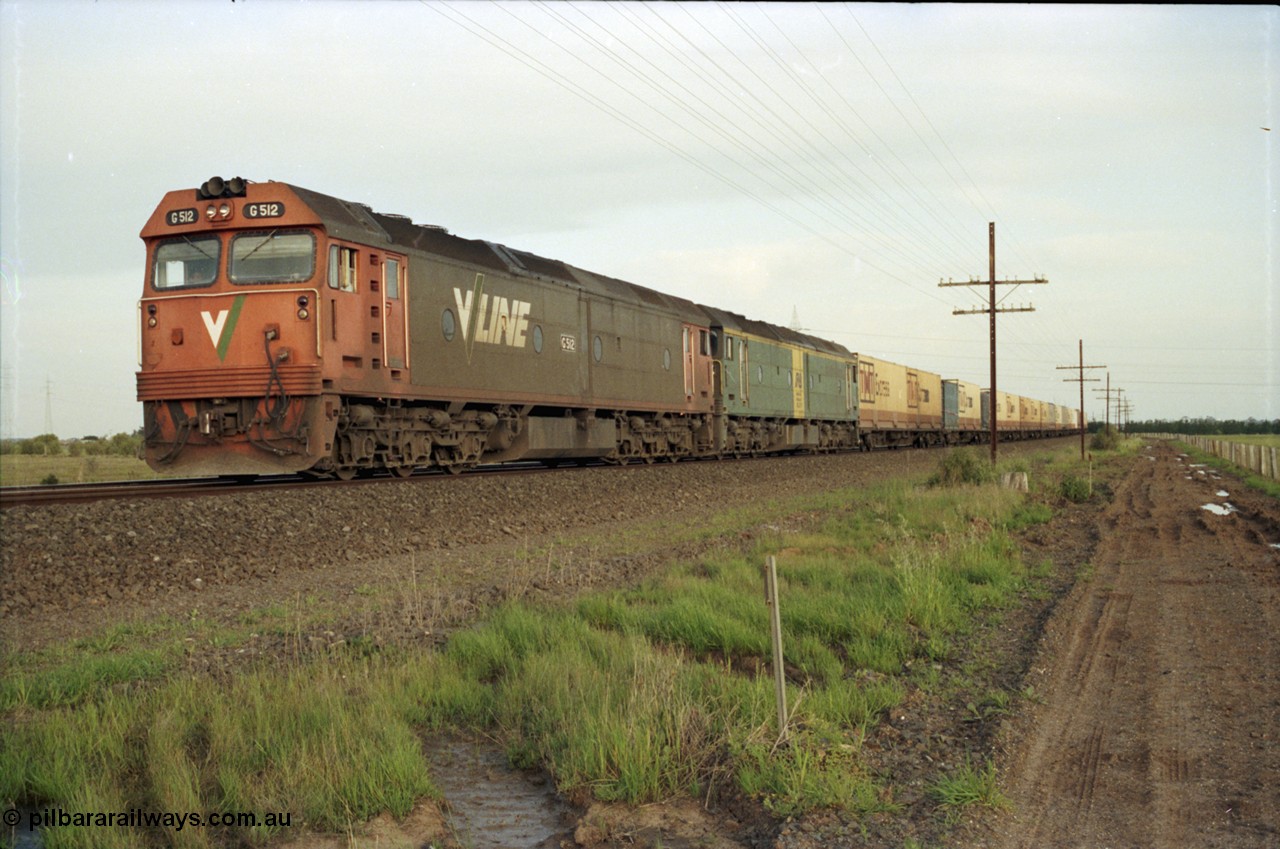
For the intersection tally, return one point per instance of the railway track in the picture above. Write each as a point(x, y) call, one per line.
point(51, 494)
point(78, 493)
point(64, 493)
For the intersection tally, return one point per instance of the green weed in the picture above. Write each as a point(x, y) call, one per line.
point(968, 786)
point(77, 680)
point(1076, 490)
point(962, 466)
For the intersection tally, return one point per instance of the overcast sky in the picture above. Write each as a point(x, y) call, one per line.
point(824, 165)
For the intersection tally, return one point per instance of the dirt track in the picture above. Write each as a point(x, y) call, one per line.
point(1159, 723)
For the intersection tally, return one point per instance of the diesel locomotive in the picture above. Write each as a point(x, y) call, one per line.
point(283, 330)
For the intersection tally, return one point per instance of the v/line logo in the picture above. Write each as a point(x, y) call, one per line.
point(222, 327)
point(493, 320)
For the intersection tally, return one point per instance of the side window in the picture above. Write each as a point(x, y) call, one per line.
point(342, 268)
point(704, 343)
point(728, 347)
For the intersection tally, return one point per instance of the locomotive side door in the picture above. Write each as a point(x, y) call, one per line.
point(344, 334)
point(849, 388)
point(689, 338)
point(395, 311)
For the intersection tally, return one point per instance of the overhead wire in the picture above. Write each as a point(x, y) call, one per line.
point(777, 127)
point(887, 245)
point(763, 115)
point(726, 128)
point(766, 132)
point(1006, 235)
point(846, 107)
point(466, 22)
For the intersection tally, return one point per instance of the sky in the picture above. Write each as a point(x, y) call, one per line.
point(818, 166)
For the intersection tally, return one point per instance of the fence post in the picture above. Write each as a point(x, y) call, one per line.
point(775, 626)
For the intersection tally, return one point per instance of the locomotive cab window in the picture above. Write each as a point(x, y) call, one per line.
point(273, 256)
point(186, 263)
point(342, 268)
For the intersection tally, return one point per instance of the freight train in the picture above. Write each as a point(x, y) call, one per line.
point(283, 330)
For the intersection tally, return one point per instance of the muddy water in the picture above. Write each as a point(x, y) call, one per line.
point(19, 836)
point(492, 806)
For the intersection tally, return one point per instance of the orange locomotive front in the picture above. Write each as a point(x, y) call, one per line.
point(233, 365)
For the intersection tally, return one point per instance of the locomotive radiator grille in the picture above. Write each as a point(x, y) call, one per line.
point(228, 382)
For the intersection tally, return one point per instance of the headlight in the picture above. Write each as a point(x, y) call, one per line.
point(218, 212)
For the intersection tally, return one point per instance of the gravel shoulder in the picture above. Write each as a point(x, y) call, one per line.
point(430, 551)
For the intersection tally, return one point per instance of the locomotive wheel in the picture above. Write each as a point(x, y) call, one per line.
point(345, 473)
point(401, 471)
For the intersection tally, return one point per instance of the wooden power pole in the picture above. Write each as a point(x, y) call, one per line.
point(1109, 393)
point(1082, 380)
point(991, 309)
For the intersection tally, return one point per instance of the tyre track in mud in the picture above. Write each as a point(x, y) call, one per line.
point(1160, 721)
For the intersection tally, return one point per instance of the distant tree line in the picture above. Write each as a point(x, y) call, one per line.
point(47, 444)
point(1205, 426)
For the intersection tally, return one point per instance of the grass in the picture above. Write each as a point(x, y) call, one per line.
point(969, 786)
point(29, 470)
point(962, 465)
point(320, 743)
point(634, 695)
point(78, 681)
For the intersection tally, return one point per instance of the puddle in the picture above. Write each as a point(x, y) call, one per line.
point(492, 806)
point(1218, 509)
point(19, 836)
